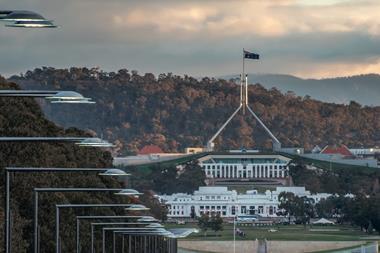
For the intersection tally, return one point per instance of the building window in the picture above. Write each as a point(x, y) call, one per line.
point(201, 207)
point(224, 207)
point(218, 207)
point(224, 213)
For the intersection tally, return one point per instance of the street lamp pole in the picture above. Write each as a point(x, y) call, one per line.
point(97, 217)
point(135, 231)
point(93, 227)
point(8, 170)
point(57, 221)
point(54, 190)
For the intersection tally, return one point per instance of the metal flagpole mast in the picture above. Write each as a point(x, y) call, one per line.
point(243, 84)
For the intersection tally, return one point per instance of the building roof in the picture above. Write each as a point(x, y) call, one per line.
point(150, 149)
point(342, 150)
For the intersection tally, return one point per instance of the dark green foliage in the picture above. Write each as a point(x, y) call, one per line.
point(339, 181)
point(23, 117)
point(213, 222)
point(362, 210)
point(157, 210)
point(302, 208)
point(203, 223)
point(216, 223)
point(168, 180)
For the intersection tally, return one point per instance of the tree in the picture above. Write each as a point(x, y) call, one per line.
point(302, 208)
point(192, 178)
point(216, 223)
point(203, 223)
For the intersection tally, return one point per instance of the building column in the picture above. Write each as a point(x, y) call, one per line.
point(278, 171)
point(260, 171)
point(282, 172)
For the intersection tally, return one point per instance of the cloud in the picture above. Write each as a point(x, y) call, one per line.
point(199, 37)
point(261, 18)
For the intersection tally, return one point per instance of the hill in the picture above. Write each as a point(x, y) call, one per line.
point(176, 112)
point(23, 117)
point(364, 89)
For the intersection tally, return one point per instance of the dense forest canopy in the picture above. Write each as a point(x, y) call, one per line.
point(175, 112)
point(23, 117)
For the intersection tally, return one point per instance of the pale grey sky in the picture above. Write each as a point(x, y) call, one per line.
point(308, 38)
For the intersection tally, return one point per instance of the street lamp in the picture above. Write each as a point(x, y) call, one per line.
point(54, 190)
point(147, 219)
point(97, 217)
point(137, 207)
point(54, 96)
point(25, 19)
point(80, 141)
point(9, 170)
point(93, 225)
point(95, 142)
point(129, 192)
point(150, 241)
point(134, 231)
point(57, 220)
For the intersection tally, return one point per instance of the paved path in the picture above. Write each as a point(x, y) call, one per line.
point(262, 246)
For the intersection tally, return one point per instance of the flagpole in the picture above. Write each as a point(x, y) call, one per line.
point(243, 82)
point(243, 64)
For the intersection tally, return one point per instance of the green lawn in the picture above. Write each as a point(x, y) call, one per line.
point(291, 233)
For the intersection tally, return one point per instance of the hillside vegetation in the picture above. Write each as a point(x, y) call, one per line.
point(23, 117)
point(176, 112)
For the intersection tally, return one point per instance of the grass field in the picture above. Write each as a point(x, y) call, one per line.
point(291, 233)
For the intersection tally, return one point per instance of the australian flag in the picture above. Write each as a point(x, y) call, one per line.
point(249, 55)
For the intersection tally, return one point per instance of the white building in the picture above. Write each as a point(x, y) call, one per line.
point(245, 165)
point(226, 203)
point(365, 152)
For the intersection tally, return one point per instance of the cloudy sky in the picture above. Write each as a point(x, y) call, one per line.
point(307, 38)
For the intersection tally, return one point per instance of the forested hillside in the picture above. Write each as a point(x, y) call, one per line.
point(175, 112)
point(23, 117)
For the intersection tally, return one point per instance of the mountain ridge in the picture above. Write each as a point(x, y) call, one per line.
point(364, 89)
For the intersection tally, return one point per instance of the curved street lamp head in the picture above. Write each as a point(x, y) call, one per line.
point(147, 219)
point(25, 19)
point(14, 16)
point(95, 142)
point(114, 172)
point(155, 225)
point(137, 207)
point(32, 24)
point(128, 192)
point(69, 97)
